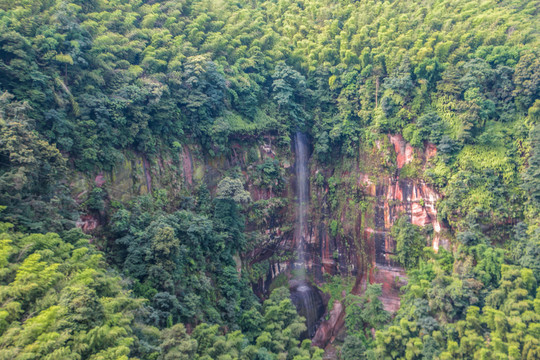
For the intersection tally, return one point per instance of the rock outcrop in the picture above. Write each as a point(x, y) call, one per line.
point(352, 237)
point(329, 329)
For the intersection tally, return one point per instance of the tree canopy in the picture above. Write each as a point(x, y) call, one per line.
point(87, 84)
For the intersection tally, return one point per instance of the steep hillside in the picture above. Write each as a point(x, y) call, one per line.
point(374, 163)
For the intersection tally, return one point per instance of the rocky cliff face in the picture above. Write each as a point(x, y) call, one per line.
point(353, 205)
point(356, 201)
point(359, 201)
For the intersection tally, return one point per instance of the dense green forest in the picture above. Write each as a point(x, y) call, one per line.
point(171, 275)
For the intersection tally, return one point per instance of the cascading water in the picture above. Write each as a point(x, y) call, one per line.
point(306, 298)
point(302, 193)
point(309, 304)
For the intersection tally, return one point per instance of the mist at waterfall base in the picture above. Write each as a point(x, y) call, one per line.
point(306, 298)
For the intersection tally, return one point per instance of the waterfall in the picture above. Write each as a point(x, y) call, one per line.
point(306, 298)
point(302, 192)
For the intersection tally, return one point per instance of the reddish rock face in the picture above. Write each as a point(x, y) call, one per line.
point(404, 151)
point(389, 197)
point(99, 180)
point(328, 330)
point(391, 279)
point(413, 198)
point(87, 223)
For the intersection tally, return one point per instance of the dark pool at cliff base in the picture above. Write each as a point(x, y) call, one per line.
point(309, 304)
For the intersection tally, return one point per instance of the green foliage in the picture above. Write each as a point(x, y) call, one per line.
point(95, 79)
point(232, 189)
point(60, 302)
point(101, 76)
point(450, 312)
point(531, 177)
point(366, 311)
point(334, 228)
point(273, 334)
point(177, 257)
point(526, 249)
point(84, 81)
point(30, 172)
point(270, 175)
point(410, 242)
point(177, 344)
point(335, 286)
point(362, 314)
point(96, 200)
point(228, 221)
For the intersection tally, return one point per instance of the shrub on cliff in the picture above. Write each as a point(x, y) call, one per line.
point(410, 242)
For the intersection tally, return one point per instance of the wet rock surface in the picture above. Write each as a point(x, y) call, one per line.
point(309, 304)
